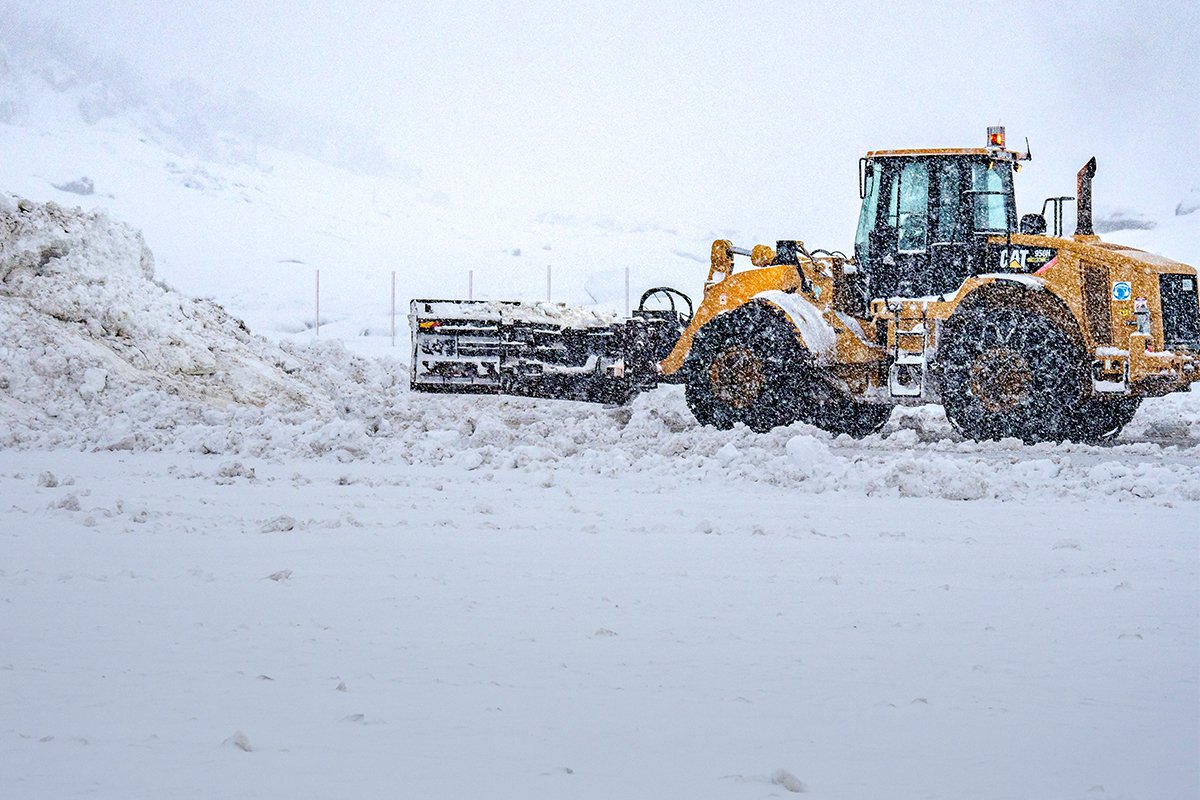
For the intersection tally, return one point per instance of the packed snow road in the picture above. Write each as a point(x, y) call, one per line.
point(186, 625)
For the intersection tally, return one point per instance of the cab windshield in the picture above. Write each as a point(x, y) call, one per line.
point(925, 219)
point(931, 200)
point(866, 216)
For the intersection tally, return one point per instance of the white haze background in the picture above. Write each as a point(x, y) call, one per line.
point(746, 115)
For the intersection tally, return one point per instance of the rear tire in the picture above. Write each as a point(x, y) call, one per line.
point(1097, 420)
point(747, 366)
point(1009, 372)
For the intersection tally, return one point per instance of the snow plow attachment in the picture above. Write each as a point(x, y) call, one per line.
point(539, 349)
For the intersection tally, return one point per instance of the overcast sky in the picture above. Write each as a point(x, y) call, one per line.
point(746, 114)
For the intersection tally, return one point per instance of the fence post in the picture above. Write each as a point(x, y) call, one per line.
point(470, 284)
point(548, 283)
point(317, 324)
point(627, 291)
point(393, 308)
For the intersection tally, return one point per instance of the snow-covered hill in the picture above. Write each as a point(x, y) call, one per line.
point(245, 205)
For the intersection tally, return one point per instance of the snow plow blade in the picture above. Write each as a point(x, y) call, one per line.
point(537, 349)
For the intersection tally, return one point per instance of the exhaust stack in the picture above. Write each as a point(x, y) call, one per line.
point(1083, 190)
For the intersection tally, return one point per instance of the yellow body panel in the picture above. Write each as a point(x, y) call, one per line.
point(944, 151)
point(1107, 325)
point(726, 295)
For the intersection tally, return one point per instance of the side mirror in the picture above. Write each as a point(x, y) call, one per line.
point(864, 169)
point(1034, 224)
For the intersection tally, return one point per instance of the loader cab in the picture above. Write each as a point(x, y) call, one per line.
point(926, 216)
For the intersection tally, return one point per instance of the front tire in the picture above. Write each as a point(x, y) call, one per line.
point(747, 366)
point(851, 417)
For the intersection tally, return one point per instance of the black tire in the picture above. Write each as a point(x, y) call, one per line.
point(747, 366)
point(1096, 420)
point(1009, 371)
point(856, 419)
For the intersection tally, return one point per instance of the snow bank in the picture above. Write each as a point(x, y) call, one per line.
point(98, 354)
point(916, 455)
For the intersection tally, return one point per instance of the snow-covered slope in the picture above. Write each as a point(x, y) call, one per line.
point(243, 203)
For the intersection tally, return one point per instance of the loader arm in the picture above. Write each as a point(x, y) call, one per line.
point(733, 292)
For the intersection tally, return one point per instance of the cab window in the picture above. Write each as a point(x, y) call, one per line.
point(910, 206)
point(992, 186)
point(866, 218)
point(949, 197)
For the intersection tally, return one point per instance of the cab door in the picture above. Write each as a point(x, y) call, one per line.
point(898, 243)
point(952, 248)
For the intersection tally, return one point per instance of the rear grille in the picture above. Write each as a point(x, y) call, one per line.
point(1095, 303)
point(1180, 311)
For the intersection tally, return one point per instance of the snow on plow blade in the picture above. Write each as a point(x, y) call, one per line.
point(535, 349)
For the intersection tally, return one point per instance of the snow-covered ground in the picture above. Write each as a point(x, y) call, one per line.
point(189, 626)
point(250, 563)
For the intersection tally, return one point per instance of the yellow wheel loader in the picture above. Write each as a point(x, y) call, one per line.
point(947, 298)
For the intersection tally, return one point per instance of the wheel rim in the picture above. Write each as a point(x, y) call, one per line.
point(736, 376)
point(1000, 378)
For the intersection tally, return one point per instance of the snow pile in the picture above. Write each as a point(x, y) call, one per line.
point(543, 313)
point(97, 353)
